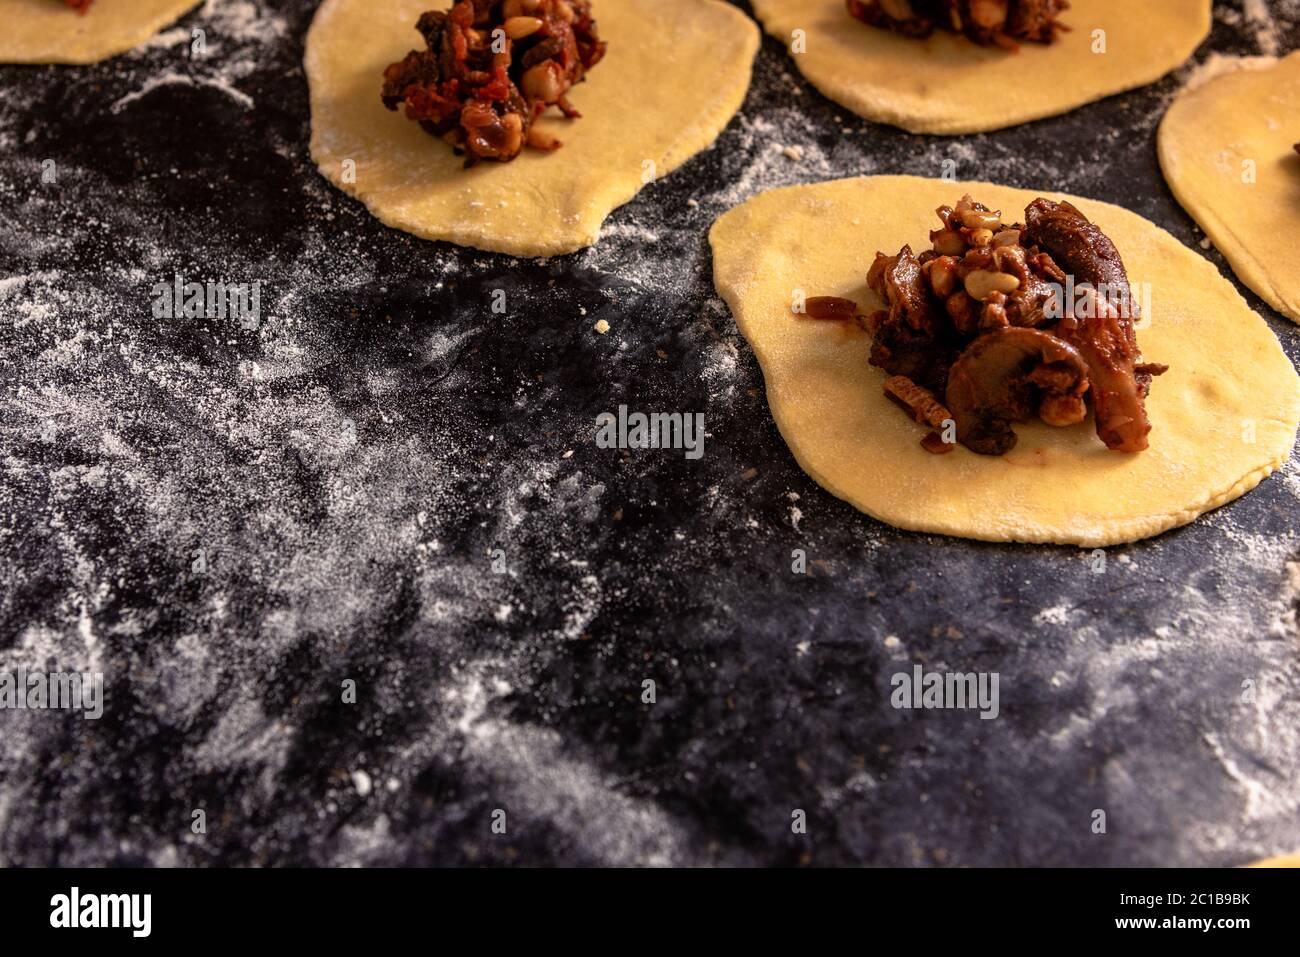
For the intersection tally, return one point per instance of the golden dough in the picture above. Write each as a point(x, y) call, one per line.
point(1287, 860)
point(675, 74)
point(948, 84)
point(1223, 417)
point(1226, 151)
point(49, 31)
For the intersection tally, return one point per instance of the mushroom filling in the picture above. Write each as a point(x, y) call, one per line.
point(1008, 322)
point(491, 68)
point(986, 22)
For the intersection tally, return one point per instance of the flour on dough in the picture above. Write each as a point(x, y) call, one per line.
point(948, 84)
point(1223, 417)
point(675, 73)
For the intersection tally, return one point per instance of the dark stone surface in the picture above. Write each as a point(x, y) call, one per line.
point(129, 443)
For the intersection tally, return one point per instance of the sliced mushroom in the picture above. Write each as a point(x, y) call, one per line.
point(1076, 244)
point(899, 281)
point(909, 338)
point(1106, 339)
point(999, 379)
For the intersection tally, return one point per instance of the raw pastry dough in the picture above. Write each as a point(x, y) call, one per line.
point(1223, 416)
point(1287, 860)
point(49, 31)
point(947, 84)
point(1226, 149)
point(675, 74)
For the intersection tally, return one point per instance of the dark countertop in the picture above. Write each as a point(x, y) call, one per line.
point(349, 467)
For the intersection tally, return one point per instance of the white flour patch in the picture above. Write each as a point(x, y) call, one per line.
point(234, 35)
point(1220, 64)
point(181, 79)
point(1263, 26)
point(540, 779)
point(1056, 615)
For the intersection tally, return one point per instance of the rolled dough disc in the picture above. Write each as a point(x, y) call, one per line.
point(49, 31)
point(675, 73)
point(948, 84)
point(1226, 149)
point(1223, 417)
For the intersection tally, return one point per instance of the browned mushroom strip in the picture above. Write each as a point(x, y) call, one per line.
point(910, 338)
point(898, 280)
point(830, 307)
point(993, 384)
point(1076, 244)
point(920, 402)
point(1105, 338)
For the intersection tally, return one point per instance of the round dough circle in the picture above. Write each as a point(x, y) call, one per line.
point(948, 84)
point(49, 31)
point(675, 73)
point(1226, 149)
point(1223, 417)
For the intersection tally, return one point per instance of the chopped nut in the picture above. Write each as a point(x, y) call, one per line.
point(942, 273)
point(948, 242)
point(978, 219)
point(1062, 410)
point(519, 27)
point(541, 139)
point(982, 283)
point(601, 326)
